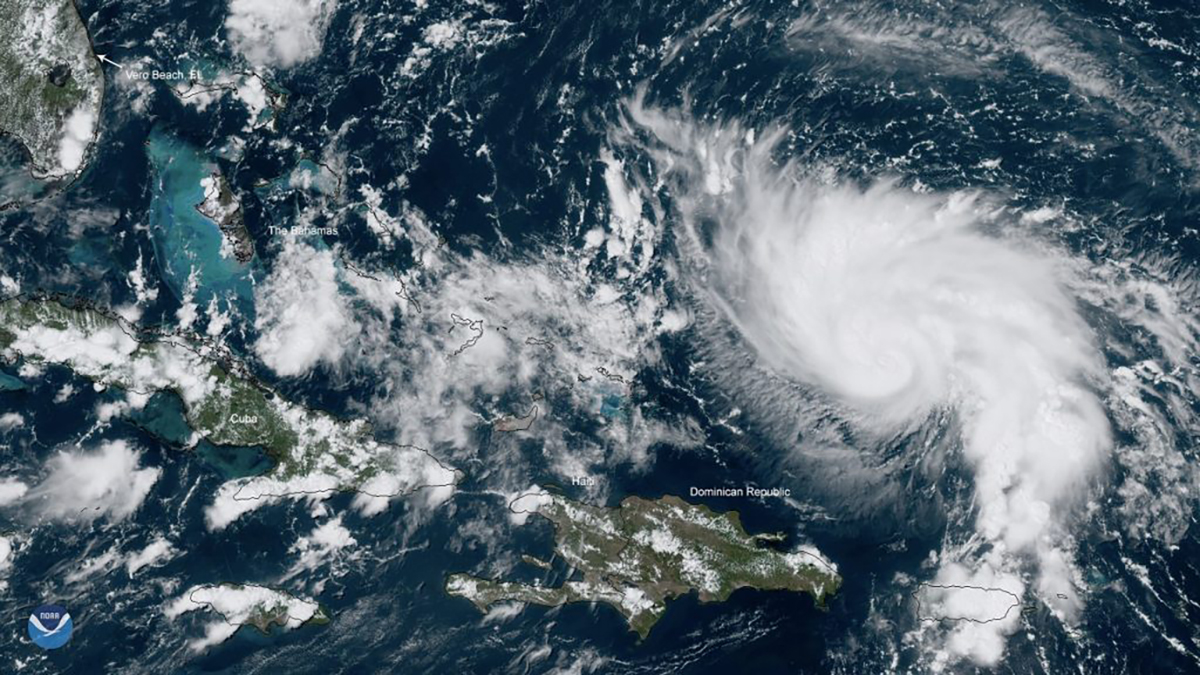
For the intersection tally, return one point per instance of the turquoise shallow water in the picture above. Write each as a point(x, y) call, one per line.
point(185, 242)
point(233, 462)
point(10, 383)
point(163, 416)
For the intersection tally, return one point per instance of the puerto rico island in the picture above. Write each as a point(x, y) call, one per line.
point(52, 82)
point(639, 555)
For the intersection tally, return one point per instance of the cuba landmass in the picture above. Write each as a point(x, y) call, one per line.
point(315, 453)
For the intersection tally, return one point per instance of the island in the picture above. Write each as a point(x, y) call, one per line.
point(965, 602)
point(245, 605)
point(510, 423)
point(222, 207)
point(315, 454)
point(639, 555)
point(52, 84)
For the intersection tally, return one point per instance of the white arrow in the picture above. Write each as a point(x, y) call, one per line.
point(105, 59)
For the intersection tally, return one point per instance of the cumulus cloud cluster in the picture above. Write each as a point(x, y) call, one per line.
point(278, 33)
point(238, 606)
point(77, 134)
point(327, 544)
point(300, 318)
point(11, 490)
point(85, 485)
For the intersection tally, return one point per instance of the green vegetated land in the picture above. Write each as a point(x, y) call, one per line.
point(637, 556)
point(313, 450)
point(52, 83)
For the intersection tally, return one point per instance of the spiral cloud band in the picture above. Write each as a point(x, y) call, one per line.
point(898, 303)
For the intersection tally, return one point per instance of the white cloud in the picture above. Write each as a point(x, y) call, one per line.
point(65, 392)
point(279, 33)
point(11, 420)
point(214, 634)
point(87, 485)
point(526, 503)
point(100, 564)
point(107, 354)
point(76, 136)
point(502, 612)
point(187, 312)
point(302, 319)
point(485, 337)
point(632, 238)
point(971, 612)
point(226, 507)
point(156, 552)
point(30, 370)
point(247, 87)
point(1103, 71)
point(521, 326)
point(1152, 400)
point(6, 555)
point(322, 546)
point(404, 470)
point(11, 490)
point(239, 605)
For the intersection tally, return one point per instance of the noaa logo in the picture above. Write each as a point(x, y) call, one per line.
point(50, 626)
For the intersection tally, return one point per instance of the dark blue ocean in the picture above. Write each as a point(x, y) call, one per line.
point(541, 85)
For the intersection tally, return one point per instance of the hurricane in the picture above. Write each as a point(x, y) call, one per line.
point(898, 303)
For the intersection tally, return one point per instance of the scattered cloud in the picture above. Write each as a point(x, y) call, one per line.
point(155, 553)
point(324, 545)
point(278, 33)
